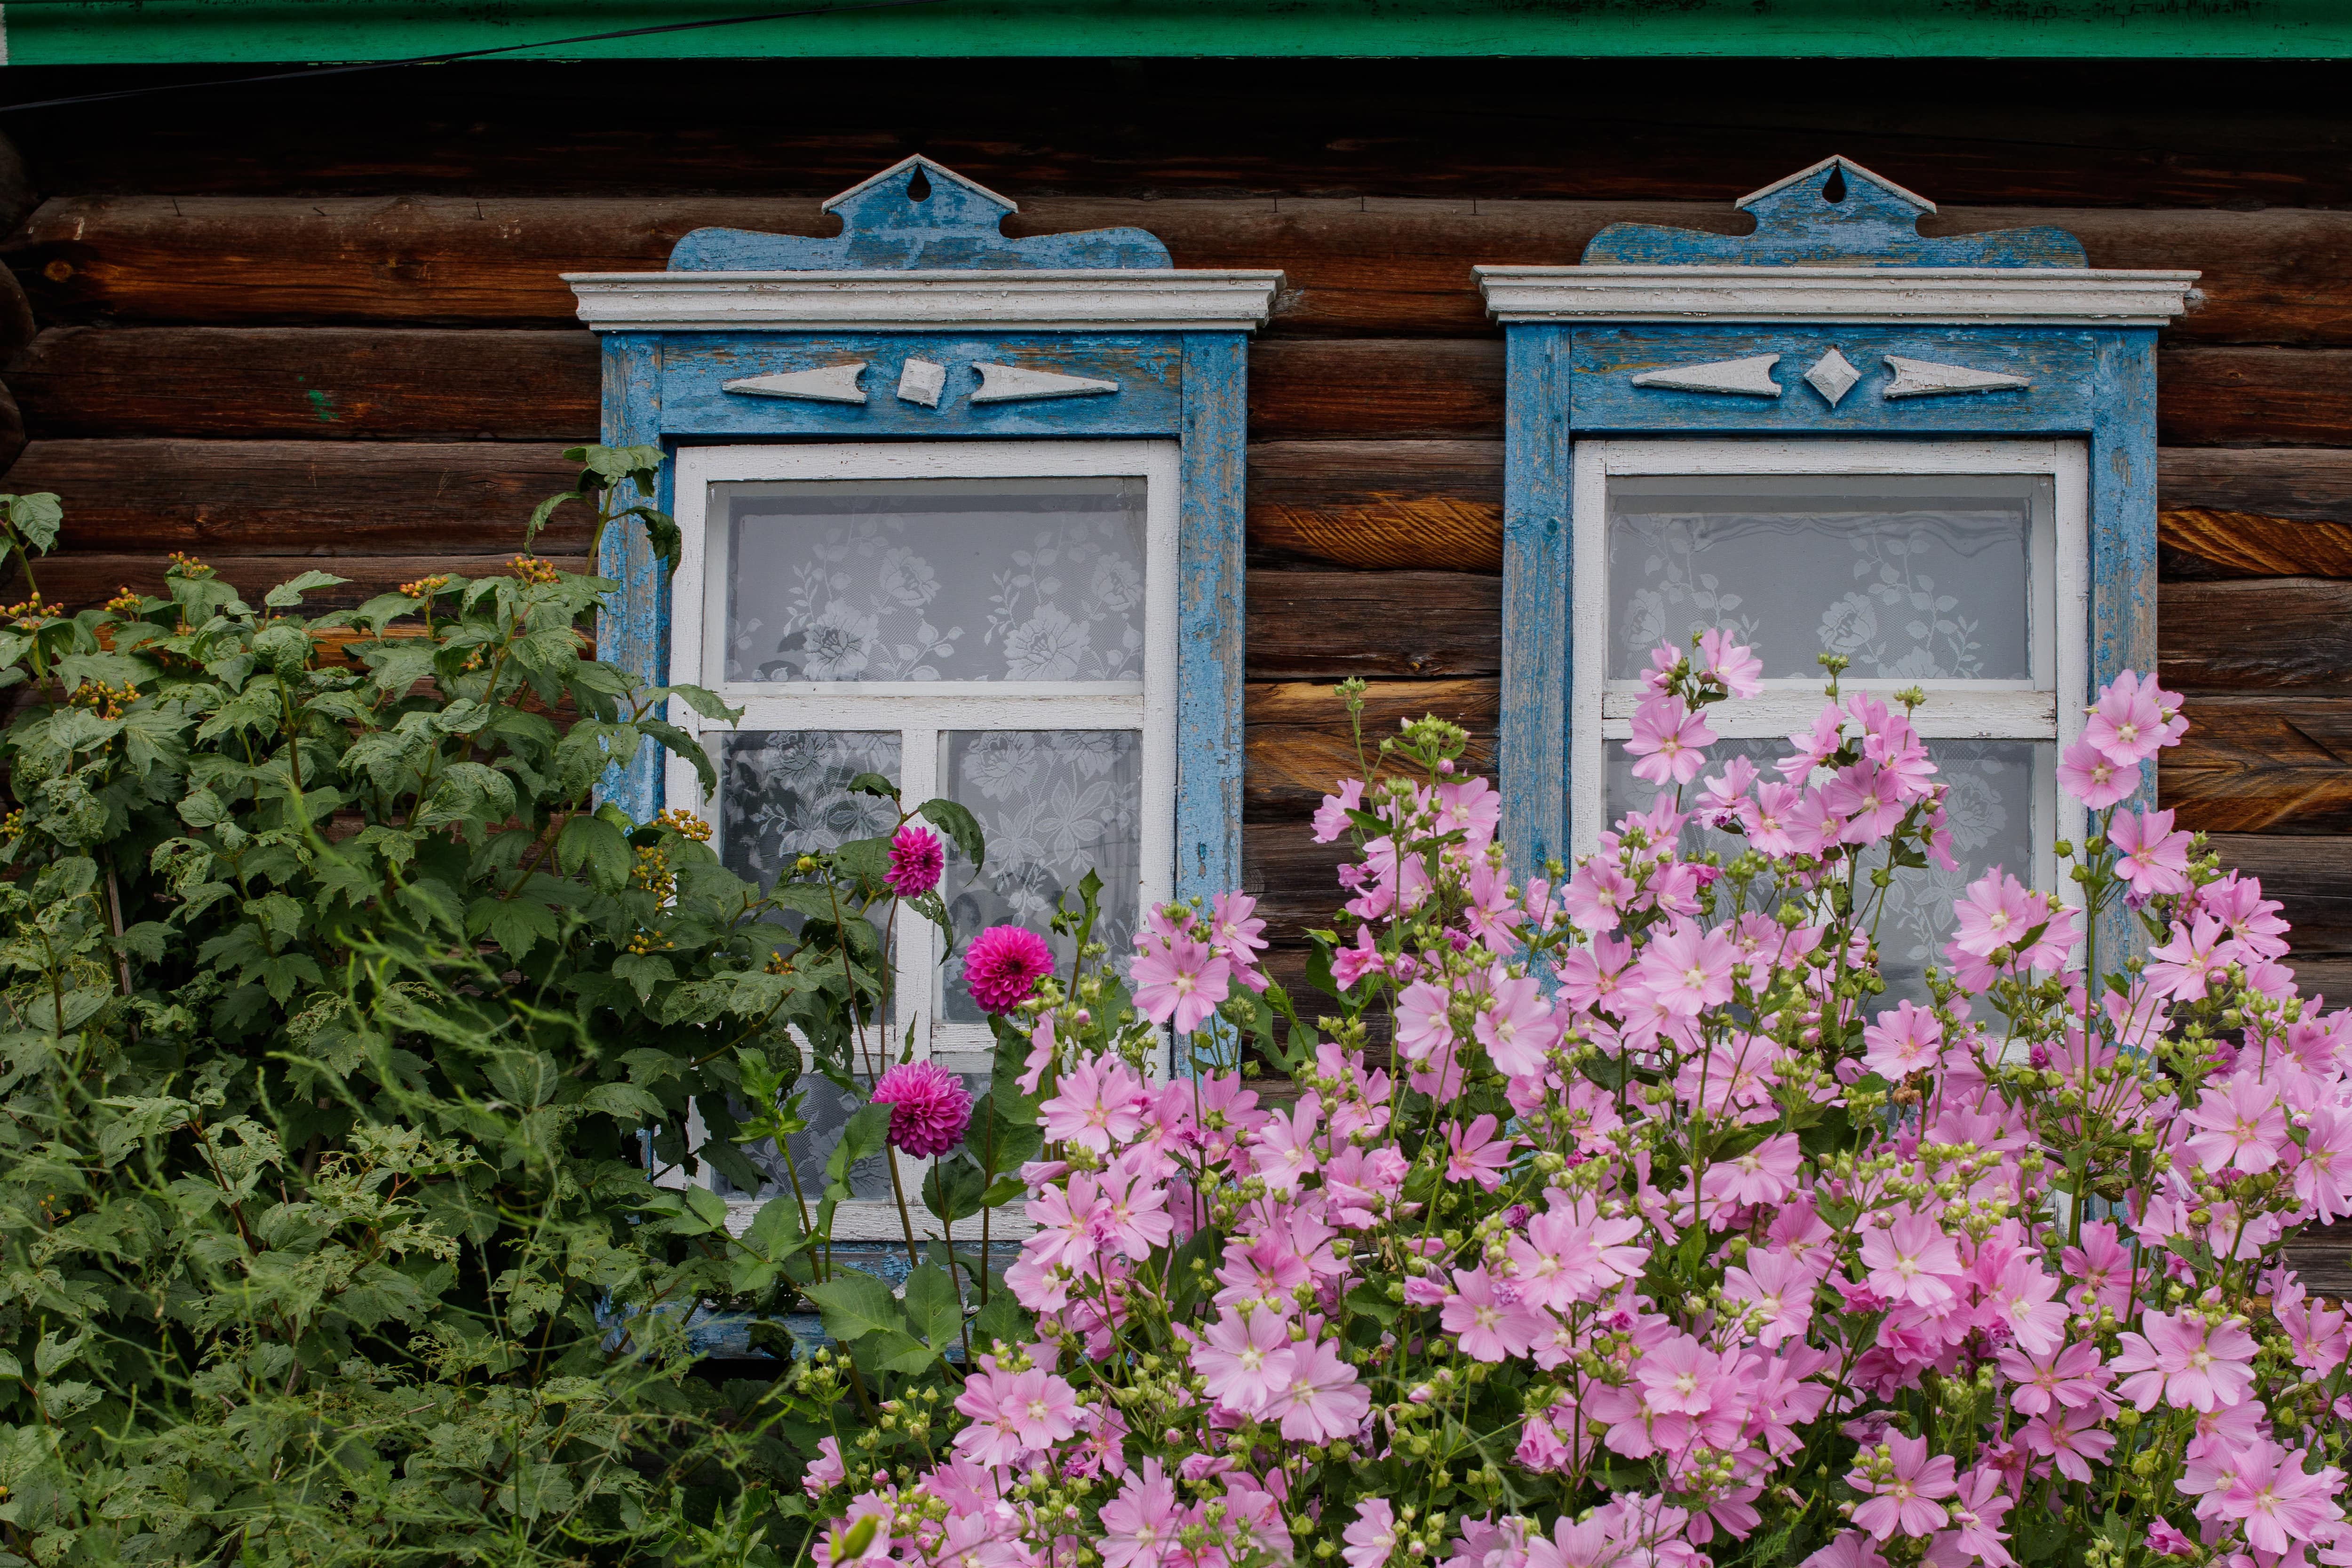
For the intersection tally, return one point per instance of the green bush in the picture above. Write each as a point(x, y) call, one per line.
point(338, 1022)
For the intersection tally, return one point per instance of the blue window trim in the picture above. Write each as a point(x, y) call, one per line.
point(663, 386)
point(1574, 378)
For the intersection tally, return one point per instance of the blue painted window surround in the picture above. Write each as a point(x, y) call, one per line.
point(920, 320)
point(1667, 332)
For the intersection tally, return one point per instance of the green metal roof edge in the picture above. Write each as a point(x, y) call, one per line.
point(254, 32)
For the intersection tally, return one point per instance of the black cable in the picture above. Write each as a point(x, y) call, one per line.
point(467, 53)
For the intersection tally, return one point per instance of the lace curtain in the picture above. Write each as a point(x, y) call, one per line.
point(948, 580)
point(1053, 804)
point(1918, 579)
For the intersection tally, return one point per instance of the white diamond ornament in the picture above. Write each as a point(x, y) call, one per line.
point(828, 383)
point(1832, 376)
point(1015, 383)
point(921, 380)
point(1750, 378)
point(1929, 378)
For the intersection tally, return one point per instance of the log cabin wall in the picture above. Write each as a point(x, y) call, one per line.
point(322, 319)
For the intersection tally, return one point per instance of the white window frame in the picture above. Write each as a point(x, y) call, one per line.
point(2047, 707)
point(920, 711)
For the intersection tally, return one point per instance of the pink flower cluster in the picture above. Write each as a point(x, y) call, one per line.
point(1653, 1233)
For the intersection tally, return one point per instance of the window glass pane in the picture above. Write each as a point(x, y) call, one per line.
point(1922, 578)
point(784, 794)
point(1990, 814)
point(1053, 805)
point(932, 580)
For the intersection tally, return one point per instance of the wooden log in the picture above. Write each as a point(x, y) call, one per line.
point(2199, 543)
point(332, 383)
point(2262, 632)
point(81, 578)
point(2126, 134)
point(300, 498)
point(1311, 624)
point(329, 382)
point(2322, 1256)
point(2262, 763)
point(2254, 397)
point(1429, 505)
point(1299, 742)
point(2302, 484)
point(1391, 266)
point(2311, 875)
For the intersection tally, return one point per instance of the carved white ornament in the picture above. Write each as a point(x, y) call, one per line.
point(1832, 376)
point(1013, 384)
point(921, 380)
point(1926, 378)
point(1750, 378)
point(828, 383)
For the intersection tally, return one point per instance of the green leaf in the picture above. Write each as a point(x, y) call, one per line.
point(592, 842)
point(1002, 1318)
point(775, 1233)
point(954, 1189)
point(623, 1102)
point(854, 1305)
point(36, 518)
point(644, 972)
point(542, 511)
point(958, 825)
point(861, 1137)
point(707, 704)
point(873, 785)
point(1319, 968)
point(934, 1307)
point(680, 744)
point(707, 1207)
point(288, 594)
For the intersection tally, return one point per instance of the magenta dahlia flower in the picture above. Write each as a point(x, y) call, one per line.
point(915, 861)
point(1003, 964)
point(929, 1107)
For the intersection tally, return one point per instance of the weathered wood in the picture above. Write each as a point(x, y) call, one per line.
point(1391, 266)
point(2302, 484)
point(2117, 133)
point(2322, 1256)
point(2197, 543)
point(2263, 632)
point(332, 382)
point(2262, 763)
point(335, 383)
point(1300, 743)
point(11, 430)
point(1311, 624)
point(2311, 875)
point(1430, 504)
point(2254, 397)
point(79, 579)
point(300, 498)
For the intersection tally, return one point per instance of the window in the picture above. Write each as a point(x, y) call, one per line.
point(1960, 568)
point(992, 622)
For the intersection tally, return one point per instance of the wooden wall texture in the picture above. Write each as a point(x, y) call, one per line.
point(323, 321)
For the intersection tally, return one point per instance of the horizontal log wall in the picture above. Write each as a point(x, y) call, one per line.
point(350, 348)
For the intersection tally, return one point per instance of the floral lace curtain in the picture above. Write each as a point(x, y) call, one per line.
point(947, 580)
point(1920, 579)
point(1054, 804)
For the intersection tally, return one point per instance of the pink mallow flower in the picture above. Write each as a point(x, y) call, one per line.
point(1179, 981)
point(1013, 1413)
point(1246, 1361)
point(1324, 1402)
point(1903, 1499)
point(1669, 741)
point(1003, 965)
point(2241, 1124)
point(929, 1107)
point(915, 861)
point(2187, 1363)
point(1908, 1261)
point(1372, 1537)
point(2152, 856)
point(2094, 778)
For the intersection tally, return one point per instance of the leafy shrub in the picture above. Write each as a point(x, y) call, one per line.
point(337, 1023)
point(1659, 1241)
